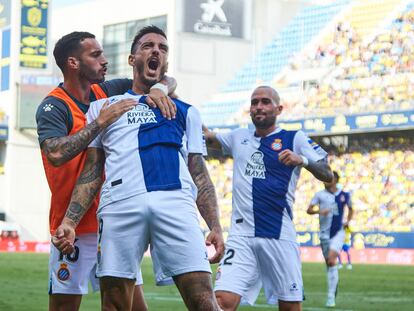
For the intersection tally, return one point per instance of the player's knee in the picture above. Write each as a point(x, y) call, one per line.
point(290, 305)
point(227, 301)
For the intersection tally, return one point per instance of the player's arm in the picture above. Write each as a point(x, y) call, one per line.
point(59, 150)
point(350, 212)
point(87, 186)
point(312, 209)
point(211, 139)
point(207, 203)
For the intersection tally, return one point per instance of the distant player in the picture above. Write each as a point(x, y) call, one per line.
point(331, 202)
point(346, 247)
point(261, 250)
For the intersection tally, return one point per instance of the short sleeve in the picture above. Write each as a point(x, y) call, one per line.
point(194, 131)
point(305, 146)
point(226, 140)
point(53, 119)
point(116, 86)
point(315, 200)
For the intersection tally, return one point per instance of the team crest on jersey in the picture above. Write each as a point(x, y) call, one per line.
point(255, 167)
point(342, 198)
point(244, 141)
point(63, 273)
point(141, 114)
point(277, 144)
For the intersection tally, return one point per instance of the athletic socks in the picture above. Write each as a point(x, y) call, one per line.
point(333, 278)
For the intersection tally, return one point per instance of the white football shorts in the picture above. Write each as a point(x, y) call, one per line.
point(165, 220)
point(252, 262)
point(70, 274)
point(335, 243)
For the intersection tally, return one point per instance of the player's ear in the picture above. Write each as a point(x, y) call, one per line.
point(131, 59)
point(279, 109)
point(72, 62)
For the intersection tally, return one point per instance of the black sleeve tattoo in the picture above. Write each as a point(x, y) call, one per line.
point(60, 150)
point(88, 185)
point(320, 170)
point(206, 199)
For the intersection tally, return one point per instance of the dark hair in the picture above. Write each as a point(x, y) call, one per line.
point(143, 32)
point(69, 45)
point(336, 175)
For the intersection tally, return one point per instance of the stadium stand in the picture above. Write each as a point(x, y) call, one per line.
point(380, 177)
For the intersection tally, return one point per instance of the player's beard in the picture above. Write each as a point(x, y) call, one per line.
point(89, 74)
point(140, 67)
point(265, 123)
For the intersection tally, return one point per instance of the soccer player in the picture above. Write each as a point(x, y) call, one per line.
point(261, 249)
point(63, 137)
point(346, 247)
point(331, 202)
point(149, 194)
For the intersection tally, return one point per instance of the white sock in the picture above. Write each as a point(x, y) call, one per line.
point(333, 279)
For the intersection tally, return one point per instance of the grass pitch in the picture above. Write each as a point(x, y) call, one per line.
point(24, 286)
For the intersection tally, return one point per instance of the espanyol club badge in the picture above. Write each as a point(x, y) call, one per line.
point(277, 144)
point(63, 273)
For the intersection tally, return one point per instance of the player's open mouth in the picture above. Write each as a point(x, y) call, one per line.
point(153, 64)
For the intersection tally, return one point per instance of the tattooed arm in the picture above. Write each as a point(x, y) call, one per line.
point(89, 183)
point(207, 203)
point(60, 150)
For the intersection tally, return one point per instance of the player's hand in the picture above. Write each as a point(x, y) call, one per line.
point(157, 99)
point(324, 212)
point(64, 239)
point(288, 157)
point(215, 238)
point(110, 113)
point(346, 224)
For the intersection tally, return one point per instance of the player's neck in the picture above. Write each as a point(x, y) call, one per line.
point(332, 189)
point(260, 132)
point(78, 89)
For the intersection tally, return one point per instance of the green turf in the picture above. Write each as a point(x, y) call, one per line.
point(24, 285)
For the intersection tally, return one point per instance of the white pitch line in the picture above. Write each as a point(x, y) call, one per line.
point(155, 296)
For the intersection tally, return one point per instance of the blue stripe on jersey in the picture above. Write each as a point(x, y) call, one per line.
point(341, 199)
point(269, 194)
point(159, 146)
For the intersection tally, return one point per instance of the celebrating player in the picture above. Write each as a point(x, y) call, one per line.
point(261, 249)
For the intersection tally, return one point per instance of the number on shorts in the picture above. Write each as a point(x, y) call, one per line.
point(71, 257)
point(230, 255)
point(100, 230)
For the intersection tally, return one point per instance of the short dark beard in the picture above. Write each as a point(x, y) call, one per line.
point(265, 124)
point(88, 74)
point(149, 82)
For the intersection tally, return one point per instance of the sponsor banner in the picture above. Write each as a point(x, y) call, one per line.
point(357, 123)
point(33, 36)
point(17, 246)
point(391, 256)
point(215, 17)
point(5, 13)
point(362, 240)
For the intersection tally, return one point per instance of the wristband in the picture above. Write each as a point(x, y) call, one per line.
point(161, 87)
point(305, 161)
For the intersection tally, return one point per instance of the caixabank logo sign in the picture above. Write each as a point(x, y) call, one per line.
point(215, 17)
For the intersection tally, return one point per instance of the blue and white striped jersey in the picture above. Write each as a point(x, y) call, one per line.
point(335, 202)
point(263, 187)
point(144, 151)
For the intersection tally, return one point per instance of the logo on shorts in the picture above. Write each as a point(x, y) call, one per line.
point(63, 273)
point(218, 273)
point(255, 167)
point(294, 287)
point(277, 144)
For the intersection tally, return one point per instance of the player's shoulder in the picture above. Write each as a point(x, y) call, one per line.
point(116, 86)
point(182, 104)
point(51, 103)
